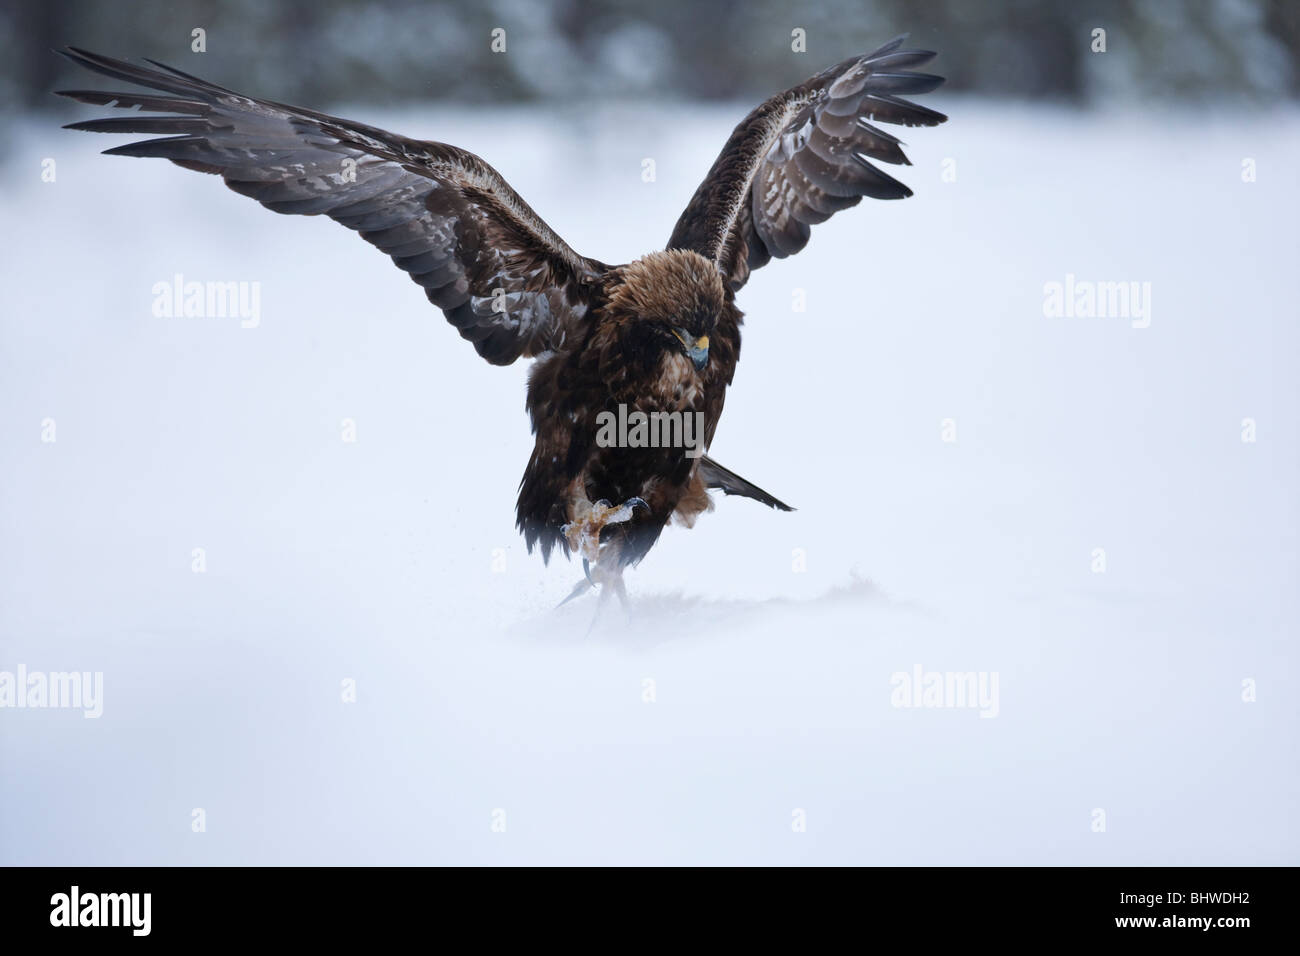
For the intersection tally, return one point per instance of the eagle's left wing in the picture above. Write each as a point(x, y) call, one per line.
point(448, 219)
point(801, 157)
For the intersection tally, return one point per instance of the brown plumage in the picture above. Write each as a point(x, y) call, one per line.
point(659, 336)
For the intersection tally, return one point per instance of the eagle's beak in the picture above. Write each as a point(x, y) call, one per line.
point(699, 352)
point(697, 349)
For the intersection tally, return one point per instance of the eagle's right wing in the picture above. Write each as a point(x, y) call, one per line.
point(447, 218)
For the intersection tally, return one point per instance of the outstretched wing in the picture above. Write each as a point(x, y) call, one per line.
point(448, 219)
point(803, 156)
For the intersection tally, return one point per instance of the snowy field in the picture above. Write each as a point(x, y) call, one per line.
point(744, 711)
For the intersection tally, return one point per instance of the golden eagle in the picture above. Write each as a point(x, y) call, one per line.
point(655, 341)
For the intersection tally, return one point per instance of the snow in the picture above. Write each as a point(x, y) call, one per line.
point(392, 561)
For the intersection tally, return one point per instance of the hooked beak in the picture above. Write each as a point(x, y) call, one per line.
point(698, 350)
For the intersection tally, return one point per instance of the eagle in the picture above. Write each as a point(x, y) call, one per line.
point(657, 338)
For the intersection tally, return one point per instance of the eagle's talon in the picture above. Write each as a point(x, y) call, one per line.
point(583, 532)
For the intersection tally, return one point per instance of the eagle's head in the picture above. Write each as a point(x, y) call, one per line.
point(669, 301)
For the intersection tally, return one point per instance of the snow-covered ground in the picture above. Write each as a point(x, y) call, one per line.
point(745, 713)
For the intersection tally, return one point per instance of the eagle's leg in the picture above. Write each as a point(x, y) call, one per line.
point(583, 532)
point(601, 566)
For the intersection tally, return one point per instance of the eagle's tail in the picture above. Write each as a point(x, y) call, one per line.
point(730, 483)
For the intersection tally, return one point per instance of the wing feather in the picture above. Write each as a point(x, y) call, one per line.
point(804, 155)
point(503, 278)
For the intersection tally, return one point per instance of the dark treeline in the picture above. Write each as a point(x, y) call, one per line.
point(323, 51)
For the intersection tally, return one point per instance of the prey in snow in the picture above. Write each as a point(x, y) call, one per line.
point(658, 336)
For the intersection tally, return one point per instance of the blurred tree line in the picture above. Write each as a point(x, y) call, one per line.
point(318, 52)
